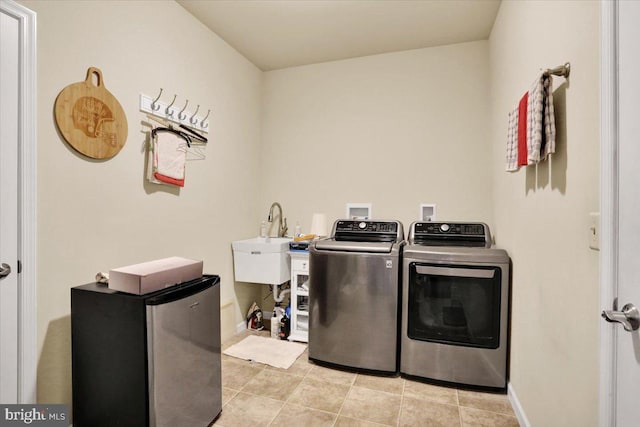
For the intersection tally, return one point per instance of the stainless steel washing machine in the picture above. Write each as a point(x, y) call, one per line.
point(455, 306)
point(354, 295)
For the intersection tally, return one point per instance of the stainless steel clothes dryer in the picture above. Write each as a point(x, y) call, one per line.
point(353, 295)
point(455, 305)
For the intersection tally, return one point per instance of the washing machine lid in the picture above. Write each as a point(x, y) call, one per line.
point(379, 236)
point(455, 255)
point(348, 246)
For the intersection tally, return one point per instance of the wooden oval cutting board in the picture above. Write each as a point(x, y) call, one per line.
point(90, 118)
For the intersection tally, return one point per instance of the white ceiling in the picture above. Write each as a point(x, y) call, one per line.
point(287, 33)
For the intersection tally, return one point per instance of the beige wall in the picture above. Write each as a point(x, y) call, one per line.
point(96, 215)
point(542, 216)
point(394, 130)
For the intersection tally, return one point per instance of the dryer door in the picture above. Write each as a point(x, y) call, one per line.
point(455, 304)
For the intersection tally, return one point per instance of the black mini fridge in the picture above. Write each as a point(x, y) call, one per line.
point(146, 360)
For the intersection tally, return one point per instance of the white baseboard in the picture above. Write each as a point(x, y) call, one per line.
point(517, 407)
point(227, 320)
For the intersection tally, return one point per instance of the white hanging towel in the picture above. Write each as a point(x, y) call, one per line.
point(167, 158)
point(541, 124)
point(531, 134)
point(170, 155)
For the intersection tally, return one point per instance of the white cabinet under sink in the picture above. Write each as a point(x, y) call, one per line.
point(299, 296)
point(261, 260)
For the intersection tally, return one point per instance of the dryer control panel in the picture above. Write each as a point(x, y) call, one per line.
point(450, 234)
point(427, 228)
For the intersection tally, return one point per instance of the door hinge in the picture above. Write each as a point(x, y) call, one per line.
point(19, 267)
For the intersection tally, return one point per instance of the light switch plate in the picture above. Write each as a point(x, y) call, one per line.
point(594, 230)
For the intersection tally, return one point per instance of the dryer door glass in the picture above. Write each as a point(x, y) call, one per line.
point(454, 304)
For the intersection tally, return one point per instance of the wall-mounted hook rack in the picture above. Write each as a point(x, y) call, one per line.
point(158, 108)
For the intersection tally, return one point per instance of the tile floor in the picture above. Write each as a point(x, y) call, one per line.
point(310, 395)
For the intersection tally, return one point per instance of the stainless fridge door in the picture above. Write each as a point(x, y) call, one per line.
point(183, 337)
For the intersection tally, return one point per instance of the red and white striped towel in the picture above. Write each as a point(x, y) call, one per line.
point(512, 141)
point(531, 134)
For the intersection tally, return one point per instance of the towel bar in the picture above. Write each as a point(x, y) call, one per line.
point(561, 70)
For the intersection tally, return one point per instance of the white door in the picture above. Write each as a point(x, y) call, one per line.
point(628, 343)
point(9, 78)
point(621, 198)
point(18, 344)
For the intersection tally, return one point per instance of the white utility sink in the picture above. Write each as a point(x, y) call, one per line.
point(262, 260)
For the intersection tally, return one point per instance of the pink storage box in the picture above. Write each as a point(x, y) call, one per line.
point(151, 276)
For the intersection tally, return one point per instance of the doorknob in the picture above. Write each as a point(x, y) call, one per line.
point(629, 317)
point(5, 270)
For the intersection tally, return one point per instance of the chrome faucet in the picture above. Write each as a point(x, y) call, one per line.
point(282, 225)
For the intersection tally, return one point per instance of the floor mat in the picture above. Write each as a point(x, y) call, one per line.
point(270, 351)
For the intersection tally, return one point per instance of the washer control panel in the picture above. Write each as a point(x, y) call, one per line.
point(367, 226)
point(368, 231)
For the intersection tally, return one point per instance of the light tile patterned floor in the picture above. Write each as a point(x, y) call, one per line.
point(310, 395)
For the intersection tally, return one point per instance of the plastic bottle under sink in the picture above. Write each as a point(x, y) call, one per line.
point(276, 318)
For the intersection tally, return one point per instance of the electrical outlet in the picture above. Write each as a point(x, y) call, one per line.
point(594, 230)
